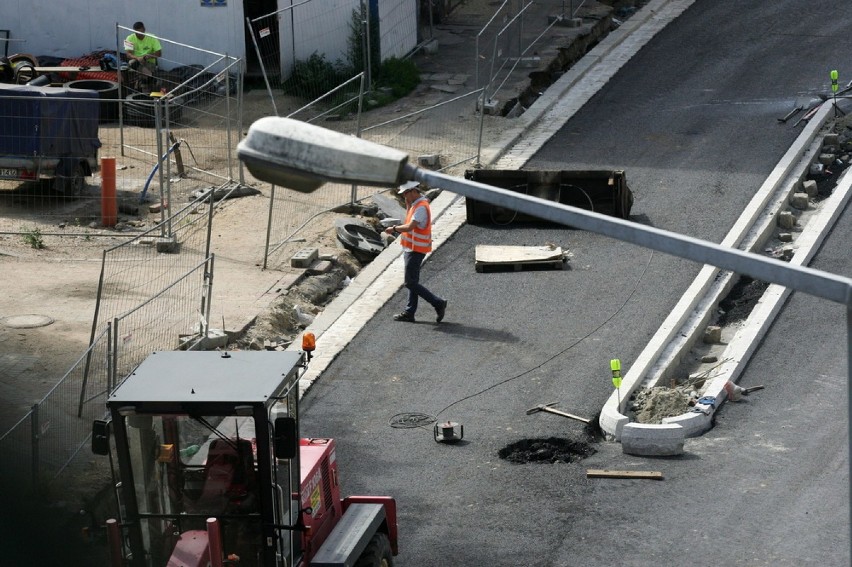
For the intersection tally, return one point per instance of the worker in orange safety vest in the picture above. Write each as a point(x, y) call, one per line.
point(416, 240)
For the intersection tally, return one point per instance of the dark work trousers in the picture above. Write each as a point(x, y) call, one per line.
point(413, 261)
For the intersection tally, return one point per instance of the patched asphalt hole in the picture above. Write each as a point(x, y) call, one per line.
point(550, 450)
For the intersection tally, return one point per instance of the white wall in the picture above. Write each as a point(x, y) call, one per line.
point(398, 27)
point(65, 28)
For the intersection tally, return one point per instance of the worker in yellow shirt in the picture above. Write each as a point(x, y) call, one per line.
point(142, 51)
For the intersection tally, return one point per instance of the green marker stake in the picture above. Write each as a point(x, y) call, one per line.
point(834, 77)
point(615, 366)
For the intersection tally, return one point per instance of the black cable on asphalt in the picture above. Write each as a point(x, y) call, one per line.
point(563, 351)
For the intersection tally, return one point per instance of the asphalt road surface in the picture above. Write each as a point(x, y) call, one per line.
point(692, 120)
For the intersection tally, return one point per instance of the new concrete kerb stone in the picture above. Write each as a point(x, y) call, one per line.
point(655, 361)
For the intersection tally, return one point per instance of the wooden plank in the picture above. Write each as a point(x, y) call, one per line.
point(488, 254)
point(65, 69)
point(602, 473)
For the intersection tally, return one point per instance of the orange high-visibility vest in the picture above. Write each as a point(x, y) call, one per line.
point(419, 239)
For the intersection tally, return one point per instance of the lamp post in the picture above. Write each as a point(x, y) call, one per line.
point(294, 154)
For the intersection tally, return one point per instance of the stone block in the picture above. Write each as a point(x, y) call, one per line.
point(304, 257)
point(830, 140)
point(786, 220)
point(320, 267)
point(431, 46)
point(167, 246)
point(491, 106)
point(563, 22)
point(645, 439)
point(432, 160)
point(799, 201)
point(157, 207)
point(810, 187)
point(785, 236)
point(713, 335)
point(826, 159)
point(527, 62)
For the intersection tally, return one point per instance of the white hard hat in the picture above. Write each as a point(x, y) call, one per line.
point(408, 186)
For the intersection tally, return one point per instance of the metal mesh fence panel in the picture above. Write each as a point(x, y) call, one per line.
point(174, 134)
point(178, 127)
point(17, 450)
point(167, 321)
point(66, 413)
point(39, 447)
point(307, 49)
point(440, 137)
point(509, 38)
point(137, 270)
point(447, 136)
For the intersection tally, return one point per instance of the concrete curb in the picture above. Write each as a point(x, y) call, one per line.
point(680, 330)
point(746, 340)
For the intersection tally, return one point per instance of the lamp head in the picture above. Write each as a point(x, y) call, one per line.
point(301, 156)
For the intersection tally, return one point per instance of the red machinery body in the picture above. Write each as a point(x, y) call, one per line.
point(320, 496)
point(213, 470)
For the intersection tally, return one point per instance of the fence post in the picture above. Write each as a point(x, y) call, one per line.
point(268, 227)
point(109, 362)
point(227, 72)
point(114, 378)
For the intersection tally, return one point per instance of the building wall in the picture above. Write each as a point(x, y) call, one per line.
point(66, 29)
point(84, 26)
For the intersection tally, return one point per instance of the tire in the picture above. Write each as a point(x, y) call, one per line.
point(107, 92)
point(139, 111)
point(359, 238)
point(70, 185)
point(377, 553)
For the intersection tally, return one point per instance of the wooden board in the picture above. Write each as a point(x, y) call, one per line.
point(518, 257)
point(65, 69)
point(601, 473)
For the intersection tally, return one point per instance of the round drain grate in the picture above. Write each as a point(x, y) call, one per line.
point(551, 450)
point(26, 321)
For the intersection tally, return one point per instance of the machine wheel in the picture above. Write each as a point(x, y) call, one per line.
point(377, 553)
point(71, 185)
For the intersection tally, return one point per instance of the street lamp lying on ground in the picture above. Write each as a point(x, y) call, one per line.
point(301, 156)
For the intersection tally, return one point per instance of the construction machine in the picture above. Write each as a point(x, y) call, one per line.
point(212, 470)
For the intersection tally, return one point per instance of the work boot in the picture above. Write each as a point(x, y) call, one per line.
point(440, 310)
point(404, 316)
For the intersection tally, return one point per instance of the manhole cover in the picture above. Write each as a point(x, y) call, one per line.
point(26, 321)
point(552, 450)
